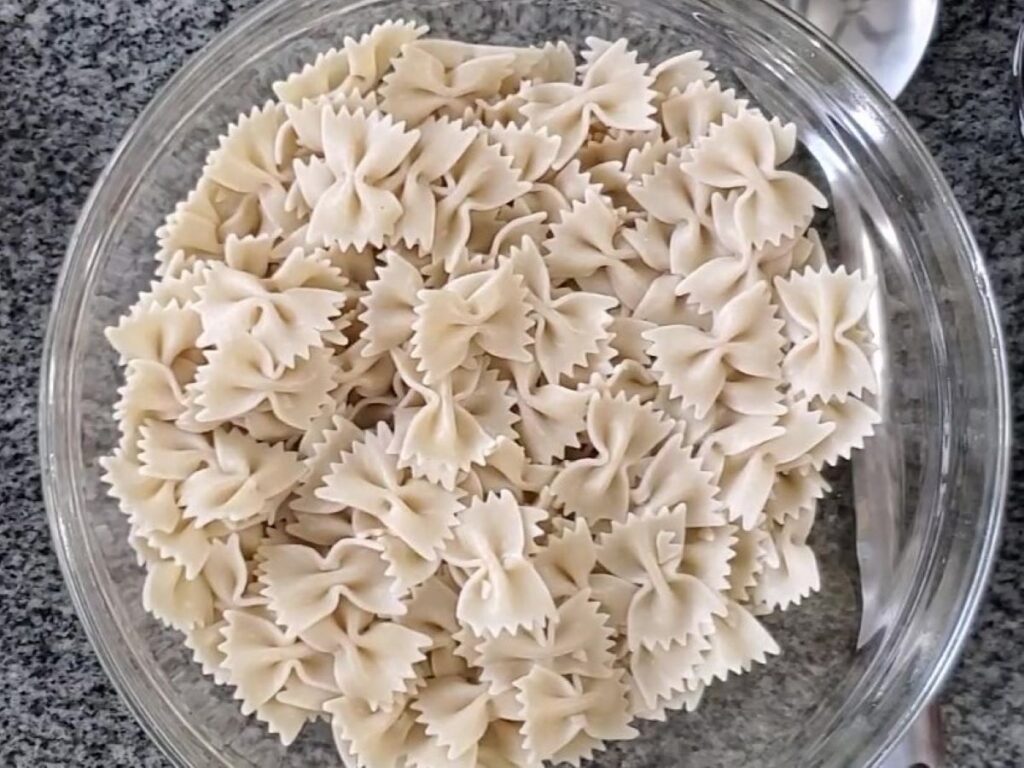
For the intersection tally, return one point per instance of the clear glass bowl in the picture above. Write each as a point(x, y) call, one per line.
point(935, 475)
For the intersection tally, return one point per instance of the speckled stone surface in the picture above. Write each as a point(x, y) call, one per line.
point(75, 73)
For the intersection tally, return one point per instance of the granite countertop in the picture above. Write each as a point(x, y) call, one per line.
point(73, 76)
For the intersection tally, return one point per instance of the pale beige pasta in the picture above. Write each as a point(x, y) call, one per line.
point(744, 153)
point(667, 604)
point(615, 89)
point(568, 719)
point(484, 401)
point(828, 359)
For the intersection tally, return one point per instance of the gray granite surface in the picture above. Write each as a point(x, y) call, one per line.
point(75, 73)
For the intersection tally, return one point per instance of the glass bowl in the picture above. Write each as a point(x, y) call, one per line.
point(934, 476)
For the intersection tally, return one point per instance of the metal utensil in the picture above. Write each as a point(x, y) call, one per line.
point(1018, 78)
point(886, 37)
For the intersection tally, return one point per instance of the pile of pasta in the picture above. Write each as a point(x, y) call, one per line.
point(483, 400)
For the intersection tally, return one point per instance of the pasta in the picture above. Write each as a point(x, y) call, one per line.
point(374, 659)
point(623, 433)
point(360, 151)
point(288, 316)
point(587, 246)
point(615, 90)
point(484, 402)
point(481, 313)
point(666, 605)
point(744, 153)
point(368, 480)
point(828, 360)
point(504, 592)
point(567, 324)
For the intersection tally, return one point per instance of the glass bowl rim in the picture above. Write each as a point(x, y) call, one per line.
point(57, 457)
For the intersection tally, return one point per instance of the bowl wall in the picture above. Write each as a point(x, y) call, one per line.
point(934, 475)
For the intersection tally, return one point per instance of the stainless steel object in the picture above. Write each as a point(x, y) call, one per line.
point(1018, 78)
point(886, 37)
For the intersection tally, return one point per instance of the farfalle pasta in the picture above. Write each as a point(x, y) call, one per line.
point(485, 398)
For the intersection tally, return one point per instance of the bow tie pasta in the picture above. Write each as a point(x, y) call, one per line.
point(485, 398)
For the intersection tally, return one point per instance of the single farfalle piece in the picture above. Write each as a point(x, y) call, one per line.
point(482, 179)
point(166, 335)
point(745, 338)
point(568, 324)
point(444, 430)
point(587, 246)
point(242, 480)
point(667, 605)
point(441, 77)
point(442, 142)
point(615, 90)
point(674, 476)
point(567, 559)
point(389, 305)
point(751, 457)
point(827, 309)
point(462, 716)
point(745, 153)
point(242, 375)
point(551, 416)
point(855, 422)
point(623, 433)
point(303, 586)
point(176, 599)
point(660, 673)
point(568, 719)
point(246, 164)
point(481, 313)
point(261, 660)
point(288, 319)
point(345, 188)
point(356, 68)
point(790, 568)
point(230, 575)
point(374, 659)
point(738, 641)
point(504, 592)
point(677, 199)
point(578, 641)
point(368, 479)
point(688, 114)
